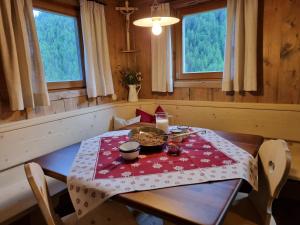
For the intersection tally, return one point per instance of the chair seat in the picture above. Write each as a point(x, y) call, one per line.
point(242, 212)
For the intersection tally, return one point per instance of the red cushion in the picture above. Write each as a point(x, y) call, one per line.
point(146, 117)
point(159, 109)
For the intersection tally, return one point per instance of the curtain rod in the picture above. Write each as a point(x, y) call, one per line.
point(98, 1)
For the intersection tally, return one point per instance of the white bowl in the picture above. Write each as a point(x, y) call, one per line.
point(130, 150)
point(177, 132)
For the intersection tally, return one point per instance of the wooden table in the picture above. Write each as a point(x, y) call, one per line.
point(205, 203)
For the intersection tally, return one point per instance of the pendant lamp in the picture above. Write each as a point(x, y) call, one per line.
point(157, 20)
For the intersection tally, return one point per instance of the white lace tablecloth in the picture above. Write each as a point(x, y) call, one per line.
point(88, 192)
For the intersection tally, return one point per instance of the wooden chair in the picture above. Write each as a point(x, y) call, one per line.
point(104, 215)
point(273, 168)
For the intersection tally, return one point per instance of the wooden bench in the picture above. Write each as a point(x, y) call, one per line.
point(24, 140)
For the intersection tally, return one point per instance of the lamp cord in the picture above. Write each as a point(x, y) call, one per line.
point(154, 7)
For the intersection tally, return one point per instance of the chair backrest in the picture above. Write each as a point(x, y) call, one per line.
point(38, 183)
point(274, 162)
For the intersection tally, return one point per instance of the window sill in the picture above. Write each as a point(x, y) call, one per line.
point(198, 83)
point(64, 94)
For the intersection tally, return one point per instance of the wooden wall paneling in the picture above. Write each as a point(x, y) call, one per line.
point(245, 97)
point(252, 118)
point(295, 167)
point(43, 138)
point(179, 94)
point(102, 122)
point(61, 101)
point(143, 56)
point(104, 99)
point(3, 88)
point(30, 113)
point(220, 96)
point(128, 111)
point(38, 111)
point(125, 111)
point(116, 38)
point(58, 106)
point(75, 103)
point(92, 102)
point(278, 54)
point(57, 95)
point(150, 108)
point(289, 71)
point(99, 100)
point(201, 94)
point(260, 51)
point(6, 115)
point(271, 50)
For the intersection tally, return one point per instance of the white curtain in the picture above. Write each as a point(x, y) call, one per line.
point(20, 57)
point(161, 48)
point(240, 69)
point(96, 55)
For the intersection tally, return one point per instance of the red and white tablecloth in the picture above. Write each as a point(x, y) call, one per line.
point(98, 172)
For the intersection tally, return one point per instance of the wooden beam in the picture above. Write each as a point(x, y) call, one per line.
point(177, 4)
point(68, 7)
point(98, 1)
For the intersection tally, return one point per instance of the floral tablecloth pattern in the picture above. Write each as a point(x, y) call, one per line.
point(98, 172)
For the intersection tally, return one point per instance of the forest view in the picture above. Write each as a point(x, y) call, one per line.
point(59, 45)
point(204, 41)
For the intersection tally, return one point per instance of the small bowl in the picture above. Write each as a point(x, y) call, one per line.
point(129, 150)
point(183, 128)
point(177, 132)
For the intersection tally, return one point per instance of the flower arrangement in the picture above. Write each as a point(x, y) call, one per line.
point(130, 77)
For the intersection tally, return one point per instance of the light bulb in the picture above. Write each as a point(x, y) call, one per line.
point(156, 28)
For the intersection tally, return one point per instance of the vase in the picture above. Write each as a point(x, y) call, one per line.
point(134, 90)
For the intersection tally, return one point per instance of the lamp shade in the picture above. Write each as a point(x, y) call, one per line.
point(150, 21)
point(160, 16)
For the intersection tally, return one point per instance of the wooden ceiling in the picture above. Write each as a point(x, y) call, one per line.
point(184, 3)
point(175, 3)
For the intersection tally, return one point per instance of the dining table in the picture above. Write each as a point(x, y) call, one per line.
point(201, 204)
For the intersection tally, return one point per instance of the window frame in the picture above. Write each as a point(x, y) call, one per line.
point(68, 10)
point(199, 8)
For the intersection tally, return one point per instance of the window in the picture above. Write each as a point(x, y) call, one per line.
point(60, 46)
point(200, 41)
